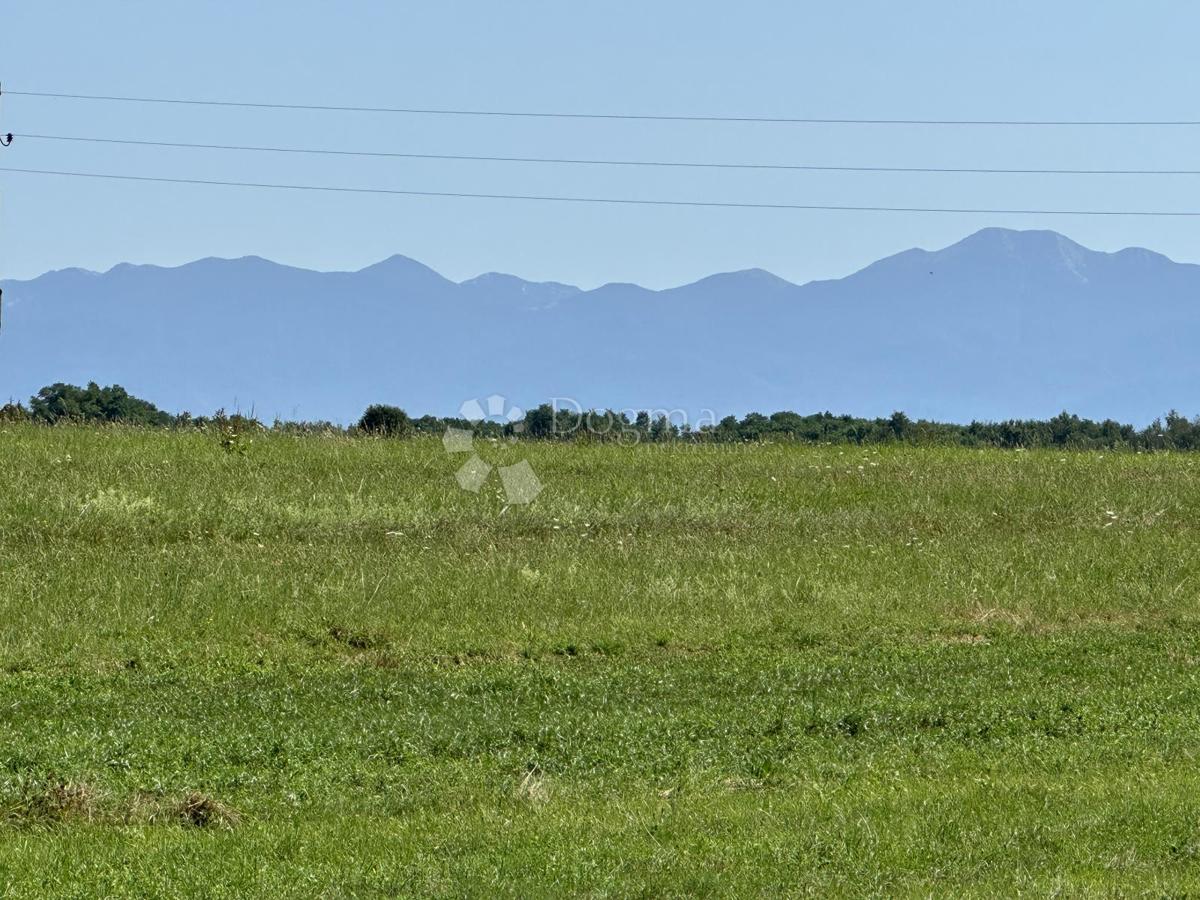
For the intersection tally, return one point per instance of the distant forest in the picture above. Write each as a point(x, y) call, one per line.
point(65, 403)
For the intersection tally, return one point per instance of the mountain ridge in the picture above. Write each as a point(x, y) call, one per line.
point(975, 236)
point(1001, 324)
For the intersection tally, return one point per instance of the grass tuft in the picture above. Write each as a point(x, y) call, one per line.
point(54, 801)
point(198, 810)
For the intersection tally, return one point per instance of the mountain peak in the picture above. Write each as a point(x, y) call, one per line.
point(498, 286)
point(402, 271)
point(740, 280)
point(397, 263)
point(1012, 241)
point(504, 280)
point(1033, 251)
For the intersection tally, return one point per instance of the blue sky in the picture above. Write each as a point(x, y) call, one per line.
point(847, 59)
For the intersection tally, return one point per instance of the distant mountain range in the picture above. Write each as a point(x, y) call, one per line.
point(1002, 324)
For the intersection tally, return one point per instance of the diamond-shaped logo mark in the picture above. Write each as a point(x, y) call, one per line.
point(521, 484)
point(458, 440)
point(472, 411)
point(473, 474)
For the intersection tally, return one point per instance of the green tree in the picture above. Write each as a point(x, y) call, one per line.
point(539, 422)
point(384, 420)
point(67, 402)
point(900, 425)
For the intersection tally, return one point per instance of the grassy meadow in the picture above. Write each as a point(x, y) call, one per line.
point(320, 668)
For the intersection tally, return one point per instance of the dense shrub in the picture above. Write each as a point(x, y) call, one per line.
point(13, 412)
point(381, 419)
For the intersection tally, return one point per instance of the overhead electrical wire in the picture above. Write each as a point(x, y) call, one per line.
point(601, 162)
point(630, 201)
point(782, 167)
point(633, 117)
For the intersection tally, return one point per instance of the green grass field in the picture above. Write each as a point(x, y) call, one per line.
point(321, 668)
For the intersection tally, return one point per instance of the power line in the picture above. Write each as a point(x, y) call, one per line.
point(530, 114)
point(606, 162)
point(630, 201)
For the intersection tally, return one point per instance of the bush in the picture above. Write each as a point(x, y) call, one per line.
point(388, 421)
point(13, 412)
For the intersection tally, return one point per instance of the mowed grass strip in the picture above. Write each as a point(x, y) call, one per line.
point(321, 667)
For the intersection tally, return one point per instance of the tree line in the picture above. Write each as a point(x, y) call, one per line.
point(94, 404)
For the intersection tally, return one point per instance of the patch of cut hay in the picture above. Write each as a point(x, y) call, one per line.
point(201, 811)
point(55, 801)
point(984, 615)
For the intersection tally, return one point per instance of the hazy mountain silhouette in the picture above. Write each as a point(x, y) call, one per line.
point(1002, 324)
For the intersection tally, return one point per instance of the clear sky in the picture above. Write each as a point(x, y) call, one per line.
point(1011, 59)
